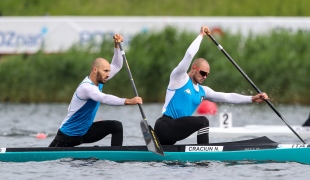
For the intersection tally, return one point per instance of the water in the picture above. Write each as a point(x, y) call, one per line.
point(21, 122)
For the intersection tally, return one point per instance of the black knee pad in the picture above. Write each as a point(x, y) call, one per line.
point(205, 120)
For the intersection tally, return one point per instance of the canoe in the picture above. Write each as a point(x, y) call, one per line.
point(227, 130)
point(260, 149)
point(259, 130)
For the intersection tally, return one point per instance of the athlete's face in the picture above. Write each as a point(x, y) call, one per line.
point(103, 73)
point(201, 73)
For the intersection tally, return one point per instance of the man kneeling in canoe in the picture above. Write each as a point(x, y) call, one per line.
point(78, 127)
point(185, 93)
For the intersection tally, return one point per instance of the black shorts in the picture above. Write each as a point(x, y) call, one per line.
point(96, 132)
point(169, 130)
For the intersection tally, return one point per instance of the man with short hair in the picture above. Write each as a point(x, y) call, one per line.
point(185, 93)
point(78, 127)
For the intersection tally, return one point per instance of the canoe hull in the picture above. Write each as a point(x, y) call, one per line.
point(276, 155)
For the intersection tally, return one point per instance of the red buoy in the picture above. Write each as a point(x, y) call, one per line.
point(41, 136)
point(207, 107)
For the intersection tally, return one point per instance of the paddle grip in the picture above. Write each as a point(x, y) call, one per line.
point(207, 31)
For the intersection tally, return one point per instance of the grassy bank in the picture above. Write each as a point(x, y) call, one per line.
point(155, 8)
point(278, 63)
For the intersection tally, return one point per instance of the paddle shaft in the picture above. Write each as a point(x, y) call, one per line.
point(253, 85)
point(149, 135)
point(131, 80)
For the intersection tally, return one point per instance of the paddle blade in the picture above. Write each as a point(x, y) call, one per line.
point(150, 138)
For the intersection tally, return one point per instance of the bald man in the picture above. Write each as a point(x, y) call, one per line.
point(185, 93)
point(78, 127)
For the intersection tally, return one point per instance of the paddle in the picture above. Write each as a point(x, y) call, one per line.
point(149, 135)
point(248, 79)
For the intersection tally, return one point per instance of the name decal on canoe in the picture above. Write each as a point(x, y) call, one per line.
point(292, 145)
point(203, 148)
point(2, 150)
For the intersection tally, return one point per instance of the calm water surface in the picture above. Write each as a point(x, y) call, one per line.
point(21, 122)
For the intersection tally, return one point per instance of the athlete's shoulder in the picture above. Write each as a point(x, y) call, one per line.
point(86, 85)
point(207, 89)
point(178, 83)
point(87, 80)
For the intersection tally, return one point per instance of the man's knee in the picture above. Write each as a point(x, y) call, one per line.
point(118, 126)
point(204, 120)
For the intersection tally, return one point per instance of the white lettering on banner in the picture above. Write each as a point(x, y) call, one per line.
point(203, 148)
point(2, 150)
point(57, 34)
point(292, 145)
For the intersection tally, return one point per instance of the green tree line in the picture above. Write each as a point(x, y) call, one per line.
point(155, 8)
point(277, 62)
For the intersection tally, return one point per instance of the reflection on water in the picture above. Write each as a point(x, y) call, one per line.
point(76, 162)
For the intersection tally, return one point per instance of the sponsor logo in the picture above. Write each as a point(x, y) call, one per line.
point(15, 39)
point(94, 37)
point(203, 148)
point(188, 91)
point(292, 145)
point(2, 150)
point(97, 37)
